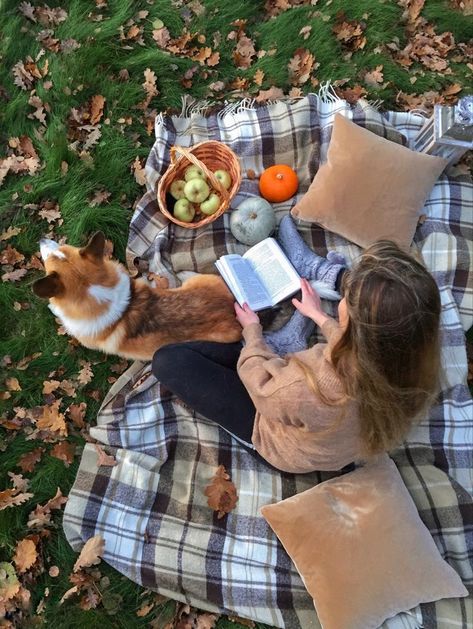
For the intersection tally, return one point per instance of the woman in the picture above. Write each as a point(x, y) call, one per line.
point(338, 402)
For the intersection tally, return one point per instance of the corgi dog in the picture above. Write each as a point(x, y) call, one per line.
point(104, 308)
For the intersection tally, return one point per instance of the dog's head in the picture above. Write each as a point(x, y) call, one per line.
point(76, 275)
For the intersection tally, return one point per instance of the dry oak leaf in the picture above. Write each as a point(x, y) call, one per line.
point(97, 103)
point(11, 498)
point(25, 555)
point(85, 374)
point(41, 516)
point(9, 233)
point(221, 493)
point(52, 420)
point(9, 584)
point(28, 461)
point(258, 77)
point(104, 458)
point(13, 384)
point(14, 276)
point(375, 77)
point(77, 414)
point(139, 172)
point(49, 386)
point(50, 212)
point(91, 553)
point(274, 93)
point(64, 451)
point(11, 256)
point(300, 66)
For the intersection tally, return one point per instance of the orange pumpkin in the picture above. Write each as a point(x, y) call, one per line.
point(278, 183)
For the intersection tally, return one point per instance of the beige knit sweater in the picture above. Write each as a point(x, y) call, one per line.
point(291, 423)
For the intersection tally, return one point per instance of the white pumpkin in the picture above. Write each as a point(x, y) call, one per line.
point(252, 221)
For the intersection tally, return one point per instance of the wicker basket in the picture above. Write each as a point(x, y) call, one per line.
point(209, 156)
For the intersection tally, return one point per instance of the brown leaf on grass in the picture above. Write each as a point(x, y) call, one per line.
point(12, 497)
point(162, 37)
point(375, 77)
point(300, 66)
point(73, 590)
point(49, 386)
point(349, 32)
point(144, 610)
point(25, 555)
point(64, 451)
point(12, 384)
point(10, 233)
point(221, 493)
point(90, 600)
point(139, 172)
point(28, 10)
point(97, 103)
point(351, 94)
point(19, 483)
point(104, 458)
point(91, 553)
point(258, 77)
point(11, 256)
point(213, 59)
point(14, 276)
point(41, 516)
point(77, 414)
point(28, 461)
point(204, 620)
point(99, 197)
point(246, 622)
point(50, 212)
point(85, 374)
point(244, 52)
point(52, 420)
point(274, 93)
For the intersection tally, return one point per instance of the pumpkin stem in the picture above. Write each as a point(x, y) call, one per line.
point(253, 215)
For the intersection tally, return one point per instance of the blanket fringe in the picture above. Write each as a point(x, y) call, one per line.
point(193, 107)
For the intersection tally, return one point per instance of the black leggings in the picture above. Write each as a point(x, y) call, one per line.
point(203, 375)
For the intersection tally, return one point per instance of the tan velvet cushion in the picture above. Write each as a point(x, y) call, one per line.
point(369, 188)
point(361, 548)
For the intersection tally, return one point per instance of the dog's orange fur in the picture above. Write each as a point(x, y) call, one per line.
point(201, 309)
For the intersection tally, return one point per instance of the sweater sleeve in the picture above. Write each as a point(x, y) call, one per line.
point(265, 375)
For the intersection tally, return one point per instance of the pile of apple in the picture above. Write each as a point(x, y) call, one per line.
point(194, 196)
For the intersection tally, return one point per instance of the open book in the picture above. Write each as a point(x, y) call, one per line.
point(262, 277)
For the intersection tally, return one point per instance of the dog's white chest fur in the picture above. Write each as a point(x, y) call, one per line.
point(118, 298)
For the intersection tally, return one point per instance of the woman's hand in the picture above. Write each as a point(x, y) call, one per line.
point(310, 305)
point(245, 315)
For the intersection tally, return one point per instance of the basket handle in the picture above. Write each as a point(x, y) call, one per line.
point(193, 159)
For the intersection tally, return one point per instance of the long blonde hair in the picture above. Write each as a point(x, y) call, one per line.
point(388, 357)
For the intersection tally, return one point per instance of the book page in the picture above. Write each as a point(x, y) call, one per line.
point(243, 282)
point(273, 268)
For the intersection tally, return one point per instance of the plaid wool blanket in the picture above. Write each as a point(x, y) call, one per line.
point(151, 508)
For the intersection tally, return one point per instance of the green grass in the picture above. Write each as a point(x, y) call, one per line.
point(93, 69)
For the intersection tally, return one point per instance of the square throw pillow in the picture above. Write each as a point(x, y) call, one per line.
point(361, 548)
point(369, 188)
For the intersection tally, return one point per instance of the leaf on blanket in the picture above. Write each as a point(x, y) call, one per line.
point(91, 553)
point(221, 493)
point(103, 457)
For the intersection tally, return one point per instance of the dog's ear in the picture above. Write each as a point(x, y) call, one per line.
point(95, 247)
point(49, 286)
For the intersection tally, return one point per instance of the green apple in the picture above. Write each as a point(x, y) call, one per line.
point(194, 172)
point(224, 178)
point(196, 190)
point(184, 210)
point(211, 205)
point(177, 188)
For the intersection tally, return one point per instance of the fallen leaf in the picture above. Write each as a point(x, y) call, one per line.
point(258, 77)
point(9, 584)
point(144, 609)
point(221, 493)
point(28, 461)
point(49, 386)
point(104, 458)
point(10, 232)
point(91, 553)
point(77, 414)
point(64, 451)
point(14, 276)
point(139, 172)
point(96, 108)
point(25, 555)
point(68, 594)
point(375, 77)
point(52, 419)
point(12, 498)
point(274, 93)
point(11, 256)
point(13, 384)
